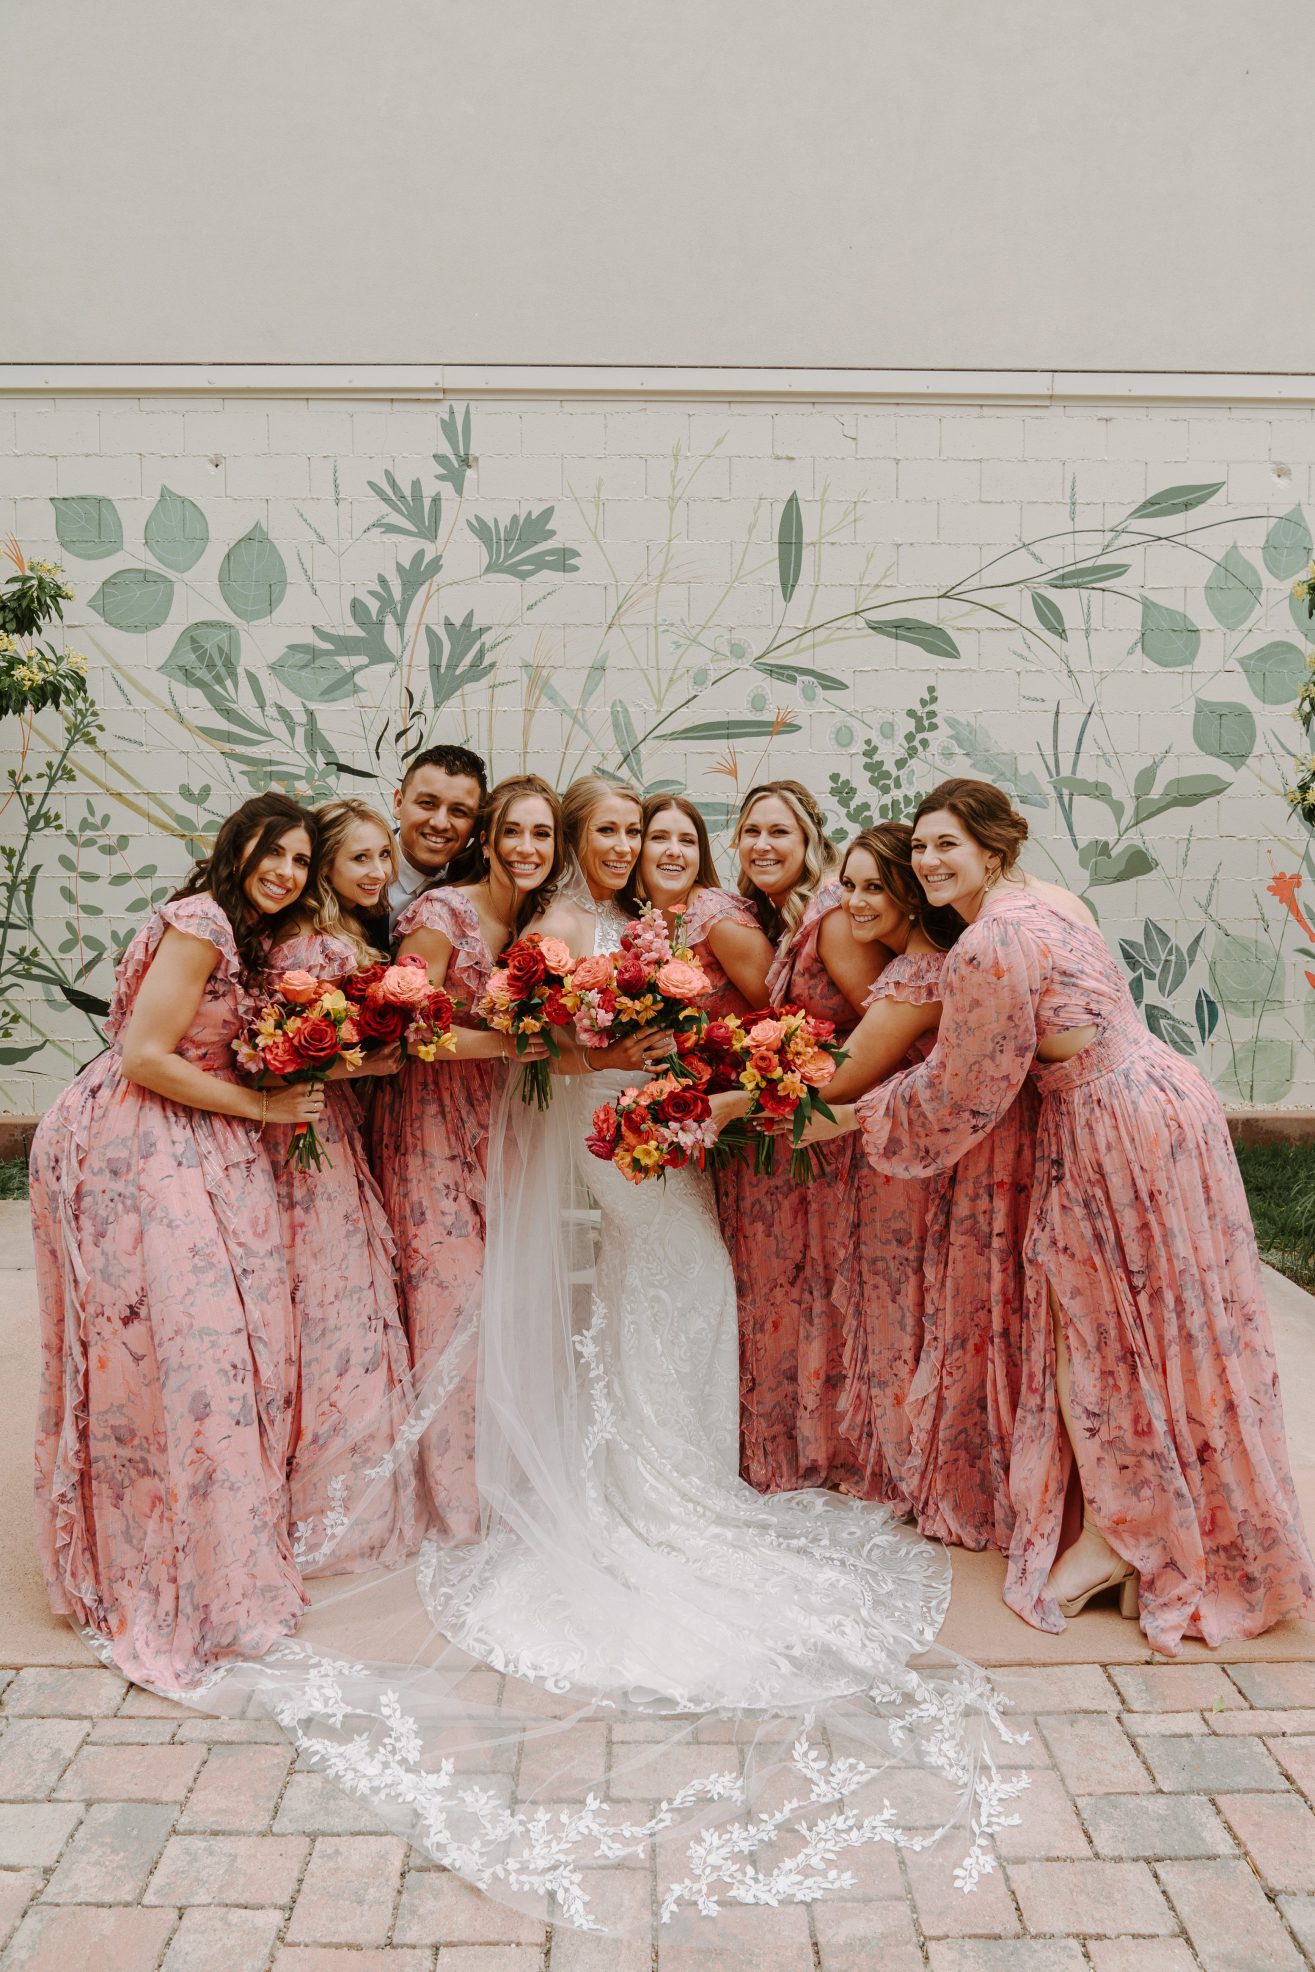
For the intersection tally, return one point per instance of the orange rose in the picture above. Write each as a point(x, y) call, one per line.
point(556, 955)
point(404, 986)
point(680, 980)
point(767, 1033)
point(591, 973)
point(300, 987)
point(764, 1063)
point(817, 1070)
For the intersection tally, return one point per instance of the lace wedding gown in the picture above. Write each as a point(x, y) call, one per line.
point(708, 1687)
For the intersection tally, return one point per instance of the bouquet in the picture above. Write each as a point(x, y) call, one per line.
point(783, 1058)
point(651, 982)
point(397, 1003)
point(301, 1029)
point(527, 996)
point(650, 1131)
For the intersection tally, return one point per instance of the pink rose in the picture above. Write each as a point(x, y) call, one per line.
point(591, 973)
point(299, 987)
point(767, 1034)
point(818, 1069)
point(404, 986)
point(556, 955)
point(498, 990)
point(680, 980)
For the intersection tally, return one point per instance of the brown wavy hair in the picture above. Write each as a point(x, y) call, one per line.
point(484, 843)
point(247, 835)
point(820, 858)
point(706, 877)
point(890, 845)
point(987, 813)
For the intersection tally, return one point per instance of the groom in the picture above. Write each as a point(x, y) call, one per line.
point(437, 807)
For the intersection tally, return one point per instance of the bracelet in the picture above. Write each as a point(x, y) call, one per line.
point(264, 1109)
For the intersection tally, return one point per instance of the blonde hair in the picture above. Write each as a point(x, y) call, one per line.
point(324, 909)
point(820, 858)
point(578, 804)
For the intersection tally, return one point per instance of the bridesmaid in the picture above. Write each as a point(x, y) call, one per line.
point(167, 1367)
point(944, 1255)
point(806, 1406)
point(1147, 1364)
point(432, 1170)
point(354, 1385)
point(677, 875)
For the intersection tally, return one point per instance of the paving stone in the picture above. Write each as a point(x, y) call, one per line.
point(345, 1958)
point(139, 1704)
point(1141, 1955)
point(34, 1753)
point(220, 1940)
point(1272, 1686)
point(312, 1805)
point(121, 1940)
point(228, 1869)
point(1058, 1688)
point(237, 1789)
point(1005, 1955)
point(1211, 1766)
point(349, 1891)
point(112, 1855)
point(1094, 1754)
point(577, 1951)
point(1152, 1825)
point(17, 1889)
point(524, 1958)
point(438, 1907)
point(247, 1732)
point(1174, 1687)
point(131, 1773)
point(1300, 1913)
point(6, 1679)
point(1048, 1823)
point(43, 1692)
point(1091, 1899)
point(1169, 1725)
point(1032, 1752)
point(1278, 1833)
point(1297, 1757)
point(1228, 1918)
point(31, 1836)
point(850, 1937)
point(1262, 1723)
point(943, 1909)
point(131, 1732)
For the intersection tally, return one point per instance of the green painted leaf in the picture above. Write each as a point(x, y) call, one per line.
point(995, 762)
point(1225, 730)
point(1287, 545)
point(1232, 589)
point(627, 739)
point(314, 676)
point(1183, 792)
point(206, 657)
point(1089, 577)
point(1094, 790)
point(1261, 1070)
point(1275, 672)
point(135, 599)
point(521, 547)
point(1048, 614)
point(912, 630)
point(176, 531)
point(1130, 861)
point(253, 580)
point(1175, 500)
point(1207, 1014)
point(88, 526)
point(794, 674)
point(790, 547)
point(721, 730)
point(1304, 622)
point(1244, 974)
point(1145, 780)
point(1168, 638)
point(1167, 1027)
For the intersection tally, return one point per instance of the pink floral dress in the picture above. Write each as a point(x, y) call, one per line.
point(1140, 1222)
point(806, 1378)
point(354, 1368)
point(960, 1403)
point(430, 1146)
point(167, 1368)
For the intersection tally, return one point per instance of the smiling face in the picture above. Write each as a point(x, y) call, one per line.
point(526, 843)
point(609, 844)
point(875, 915)
point(772, 846)
point(279, 878)
point(950, 864)
point(436, 815)
point(362, 867)
point(669, 863)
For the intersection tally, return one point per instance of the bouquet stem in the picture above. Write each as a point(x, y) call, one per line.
point(306, 1152)
point(535, 1083)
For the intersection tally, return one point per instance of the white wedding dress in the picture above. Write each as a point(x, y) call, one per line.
point(689, 1676)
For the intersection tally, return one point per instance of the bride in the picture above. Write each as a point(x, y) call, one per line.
point(717, 1685)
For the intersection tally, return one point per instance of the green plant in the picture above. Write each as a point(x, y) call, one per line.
point(33, 673)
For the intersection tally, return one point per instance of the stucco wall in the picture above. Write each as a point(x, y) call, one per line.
point(692, 606)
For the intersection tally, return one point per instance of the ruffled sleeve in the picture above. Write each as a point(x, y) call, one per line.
point(711, 907)
point(799, 943)
point(455, 918)
point(317, 952)
point(924, 1119)
point(911, 977)
point(200, 917)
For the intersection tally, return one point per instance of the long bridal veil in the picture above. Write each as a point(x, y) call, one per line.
point(646, 1696)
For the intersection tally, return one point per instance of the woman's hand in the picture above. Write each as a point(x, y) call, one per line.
point(532, 1049)
point(727, 1106)
point(380, 1061)
point(300, 1102)
point(647, 1051)
point(820, 1131)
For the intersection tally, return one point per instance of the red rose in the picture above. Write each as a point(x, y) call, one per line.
point(440, 1009)
point(357, 984)
point(555, 1010)
point(382, 1023)
point(283, 1057)
point(686, 1105)
point(413, 958)
point(697, 1069)
point(317, 1039)
point(631, 975)
point(525, 968)
point(773, 1103)
point(717, 1034)
point(823, 1030)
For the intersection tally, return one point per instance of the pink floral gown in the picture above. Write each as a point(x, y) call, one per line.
point(167, 1367)
point(806, 1371)
point(1140, 1222)
point(968, 1223)
point(354, 1368)
point(430, 1147)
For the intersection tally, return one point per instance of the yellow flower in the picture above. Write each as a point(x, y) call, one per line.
point(353, 1057)
point(1301, 588)
point(334, 1001)
point(425, 1050)
point(447, 1042)
point(531, 1026)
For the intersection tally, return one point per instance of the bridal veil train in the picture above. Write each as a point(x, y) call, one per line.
point(646, 1693)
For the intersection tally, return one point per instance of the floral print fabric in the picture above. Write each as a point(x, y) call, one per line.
point(1139, 1222)
point(167, 1361)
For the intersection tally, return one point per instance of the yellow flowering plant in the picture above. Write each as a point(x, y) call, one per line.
point(33, 673)
point(1301, 791)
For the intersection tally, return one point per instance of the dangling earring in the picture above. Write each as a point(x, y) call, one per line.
point(992, 879)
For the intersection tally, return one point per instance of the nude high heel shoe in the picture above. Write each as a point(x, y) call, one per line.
point(1122, 1576)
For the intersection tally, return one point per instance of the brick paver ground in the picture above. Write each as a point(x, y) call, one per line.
point(1170, 1826)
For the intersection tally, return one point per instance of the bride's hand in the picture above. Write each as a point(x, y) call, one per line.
point(820, 1131)
point(646, 1051)
point(727, 1106)
point(533, 1049)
